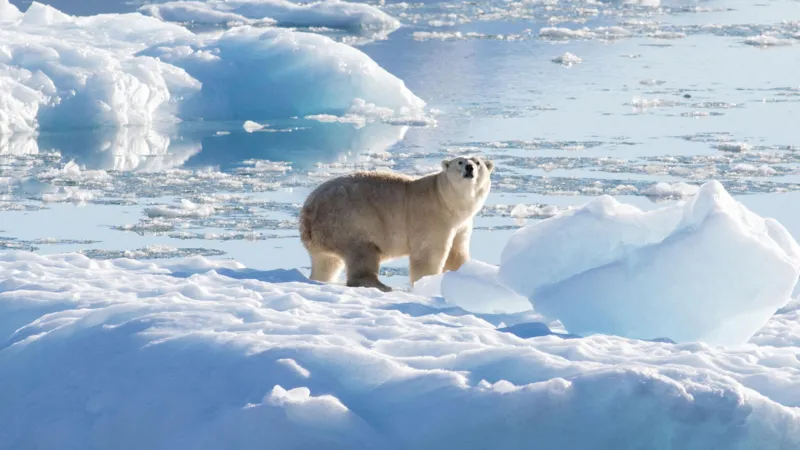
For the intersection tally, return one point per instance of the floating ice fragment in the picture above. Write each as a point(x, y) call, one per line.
point(250, 126)
point(362, 113)
point(768, 41)
point(187, 209)
point(674, 190)
point(734, 147)
point(567, 59)
point(67, 194)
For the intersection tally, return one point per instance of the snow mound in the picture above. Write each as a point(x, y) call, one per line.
point(334, 14)
point(61, 72)
point(129, 354)
point(706, 269)
point(473, 287)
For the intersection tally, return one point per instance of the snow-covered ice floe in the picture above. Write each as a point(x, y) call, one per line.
point(706, 269)
point(334, 14)
point(61, 72)
point(206, 354)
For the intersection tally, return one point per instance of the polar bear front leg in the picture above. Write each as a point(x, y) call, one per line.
point(459, 251)
point(428, 260)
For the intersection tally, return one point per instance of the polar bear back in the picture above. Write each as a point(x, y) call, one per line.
point(364, 206)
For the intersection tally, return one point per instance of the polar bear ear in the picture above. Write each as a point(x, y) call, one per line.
point(445, 164)
point(489, 165)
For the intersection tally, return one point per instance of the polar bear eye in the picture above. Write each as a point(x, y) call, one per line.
point(461, 163)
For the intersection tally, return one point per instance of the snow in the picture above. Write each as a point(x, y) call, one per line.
point(706, 269)
point(474, 287)
point(114, 348)
point(61, 72)
point(333, 14)
point(129, 354)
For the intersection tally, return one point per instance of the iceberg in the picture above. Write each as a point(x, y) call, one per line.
point(250, 73)
point(59, 72)
point(706, 269)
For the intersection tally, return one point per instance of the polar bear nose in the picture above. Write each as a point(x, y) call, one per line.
point(468, 168)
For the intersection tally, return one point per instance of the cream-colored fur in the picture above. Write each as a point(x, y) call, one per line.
point(365, 218)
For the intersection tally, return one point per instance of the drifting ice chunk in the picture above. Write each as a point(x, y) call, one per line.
point(676, 190)
point(250, 126)
point(567, 59)
point(473, 287)
point(707, 269)
point(186, 209)
point(328, 13)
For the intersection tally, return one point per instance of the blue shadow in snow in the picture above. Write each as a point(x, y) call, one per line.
point(268, 276)
point(526, 330)
point(535, 329)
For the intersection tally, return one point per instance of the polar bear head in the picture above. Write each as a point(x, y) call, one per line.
point(472, 170)
point(467, 183)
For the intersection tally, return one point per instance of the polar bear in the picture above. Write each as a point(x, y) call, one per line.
point(365, 218)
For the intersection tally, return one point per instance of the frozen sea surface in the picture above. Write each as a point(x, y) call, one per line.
point(189, 144)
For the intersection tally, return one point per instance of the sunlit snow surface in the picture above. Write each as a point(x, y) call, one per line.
point(127, 136)
point(202, 354)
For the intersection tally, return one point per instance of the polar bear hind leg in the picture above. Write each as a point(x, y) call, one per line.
point(363, 263)
point(325, 267)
